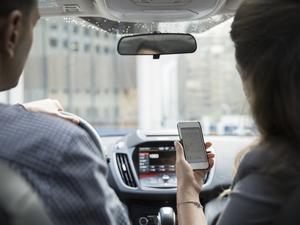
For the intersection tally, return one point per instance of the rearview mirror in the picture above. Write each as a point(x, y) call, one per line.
point(157, 44)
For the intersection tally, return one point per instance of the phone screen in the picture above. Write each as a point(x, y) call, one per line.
point(194, 147)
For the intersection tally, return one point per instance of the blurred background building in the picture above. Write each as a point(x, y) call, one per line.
point(79, 66)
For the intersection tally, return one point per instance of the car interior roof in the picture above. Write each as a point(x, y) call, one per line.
point(139, 10)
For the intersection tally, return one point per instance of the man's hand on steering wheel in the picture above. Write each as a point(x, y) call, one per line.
point(51, 107)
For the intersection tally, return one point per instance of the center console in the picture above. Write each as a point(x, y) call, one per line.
point(155, 165)
point(142, 172)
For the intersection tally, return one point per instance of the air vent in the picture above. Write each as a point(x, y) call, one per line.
point(71, 8)
point(125, 170)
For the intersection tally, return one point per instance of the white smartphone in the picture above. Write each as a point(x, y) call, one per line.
point(191, 136)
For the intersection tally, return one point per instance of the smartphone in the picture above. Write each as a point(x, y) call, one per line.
point(191, 136)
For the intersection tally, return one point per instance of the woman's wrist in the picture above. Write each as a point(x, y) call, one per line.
point(189, 188)
point(187, 194)
point(194, 203)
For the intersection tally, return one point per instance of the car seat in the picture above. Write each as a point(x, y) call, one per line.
point(19, 205)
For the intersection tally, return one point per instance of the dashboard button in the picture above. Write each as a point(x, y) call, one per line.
point(143, 221)
point(166, 178)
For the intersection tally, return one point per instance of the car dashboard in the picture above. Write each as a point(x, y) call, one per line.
point(142, 170)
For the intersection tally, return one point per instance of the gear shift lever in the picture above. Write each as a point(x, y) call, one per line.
point(166, 216)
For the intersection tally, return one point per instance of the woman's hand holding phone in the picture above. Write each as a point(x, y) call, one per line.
point(189, 181)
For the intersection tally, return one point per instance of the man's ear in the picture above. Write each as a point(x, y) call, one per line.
point(12, 31)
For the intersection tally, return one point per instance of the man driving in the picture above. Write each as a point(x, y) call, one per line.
point(54, 155)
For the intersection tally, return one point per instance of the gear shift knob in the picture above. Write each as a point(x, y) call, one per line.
point(166, 216)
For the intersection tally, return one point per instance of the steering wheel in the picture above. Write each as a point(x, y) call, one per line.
point(90, 130)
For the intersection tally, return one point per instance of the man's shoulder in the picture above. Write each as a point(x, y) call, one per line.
point(32, 137)
point(38, 123)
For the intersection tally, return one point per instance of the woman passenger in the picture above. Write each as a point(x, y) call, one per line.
point(266, 34)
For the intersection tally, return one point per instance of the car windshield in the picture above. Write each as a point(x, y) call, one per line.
point(78, 64)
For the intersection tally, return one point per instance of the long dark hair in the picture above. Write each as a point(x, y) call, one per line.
point(266, 34)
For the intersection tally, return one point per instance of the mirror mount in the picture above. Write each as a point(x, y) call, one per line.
point(156, 56)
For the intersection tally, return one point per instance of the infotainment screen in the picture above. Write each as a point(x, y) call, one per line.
point(157, 166)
